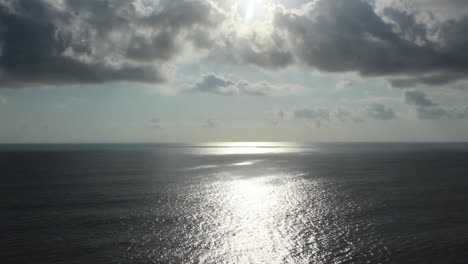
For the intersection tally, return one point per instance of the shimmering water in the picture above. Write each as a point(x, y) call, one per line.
point(234, 203)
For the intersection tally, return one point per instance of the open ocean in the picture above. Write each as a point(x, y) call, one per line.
point(226, 203)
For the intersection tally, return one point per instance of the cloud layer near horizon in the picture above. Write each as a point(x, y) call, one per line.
point(47, 42)
point(214, 84)
point(371, 111)
point(427, 109)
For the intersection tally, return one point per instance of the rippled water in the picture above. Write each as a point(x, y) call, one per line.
point(325, 203)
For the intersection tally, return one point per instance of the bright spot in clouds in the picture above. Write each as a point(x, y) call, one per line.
point(250, 10)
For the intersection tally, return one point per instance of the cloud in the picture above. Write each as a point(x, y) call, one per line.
point(155, 123)
point(212, 83)
point(418, 99)
point(439, 10)
point(261, 47)
point(344, 84)
point(380, 112)
point(277, 117)
point(342, 114)
point(374, 40)
point(312, 113)
point(372, 111)
point(427, 109)
point(411, 43)
point(3, 100)
point(341, 35)
point(281, 114)
point(428, 80)
point(210, 123)
point(433, 112)
point(318, 116)
point(66, 42)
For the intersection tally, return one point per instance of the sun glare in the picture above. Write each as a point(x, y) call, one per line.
point(249, 10)
point(245, 148)
point(252, 10)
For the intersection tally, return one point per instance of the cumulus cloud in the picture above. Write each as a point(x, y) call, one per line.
point(427, 109)
point(212, 83)
point(341, 35)
point(45, 42)
point(64, 42)
point(385, 39)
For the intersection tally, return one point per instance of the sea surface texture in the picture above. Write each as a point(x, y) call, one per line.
point(234, 203)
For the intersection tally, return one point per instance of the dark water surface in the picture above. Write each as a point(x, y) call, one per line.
point(340, 203)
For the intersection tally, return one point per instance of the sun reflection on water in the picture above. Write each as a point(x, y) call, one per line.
point(246, 148)
point(242, 217)
point(255, 209)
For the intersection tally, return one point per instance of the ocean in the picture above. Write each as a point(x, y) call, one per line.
point(234, 203)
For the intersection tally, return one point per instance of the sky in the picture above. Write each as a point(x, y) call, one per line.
point(233, 70)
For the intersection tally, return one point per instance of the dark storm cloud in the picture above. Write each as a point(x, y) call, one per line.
point(427, 109)
point(87, 41)
point(214, 84)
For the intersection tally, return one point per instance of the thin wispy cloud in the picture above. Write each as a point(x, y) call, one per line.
point(155, 123)
point(210, 123)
